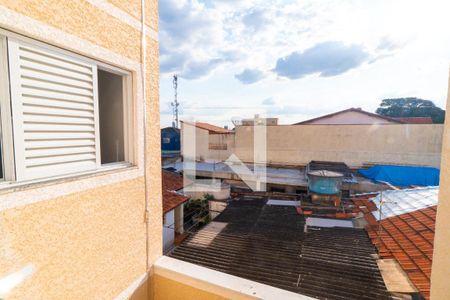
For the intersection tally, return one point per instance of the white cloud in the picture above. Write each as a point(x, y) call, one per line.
point(327, 59)
point(249, 76)
point(268, 101)
point(390, 47)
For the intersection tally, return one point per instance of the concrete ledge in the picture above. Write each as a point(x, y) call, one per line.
point(218, 283)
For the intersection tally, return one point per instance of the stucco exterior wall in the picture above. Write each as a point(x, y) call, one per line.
point(351, 117)
point(86, 237)
point(81, 246)
point(221, 139)
point(355, 145)
point(192, 134)
point(169, 230)
point(203, 139)
point(440, 288)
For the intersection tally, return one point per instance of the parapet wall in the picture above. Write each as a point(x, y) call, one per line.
point(356, 145)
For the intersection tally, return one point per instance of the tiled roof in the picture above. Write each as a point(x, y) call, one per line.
point(267, 244)
point(171, 182)
point(211, 128)
point(407, 234)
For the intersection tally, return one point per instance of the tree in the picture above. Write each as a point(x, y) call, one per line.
point(411, 107)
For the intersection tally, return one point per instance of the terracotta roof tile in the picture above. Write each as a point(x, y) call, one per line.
point(211, 128)
point(406, 237)
point(171, 182)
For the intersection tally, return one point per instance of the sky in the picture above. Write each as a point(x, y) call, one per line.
point(297, 60)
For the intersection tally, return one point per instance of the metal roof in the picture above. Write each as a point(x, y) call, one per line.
point(338, 167)
point(267, 244)
point(398, 202)
point(327, 222)
point(325, 173)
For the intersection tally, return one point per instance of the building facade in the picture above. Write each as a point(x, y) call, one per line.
point(81, 178)
point(170, 141)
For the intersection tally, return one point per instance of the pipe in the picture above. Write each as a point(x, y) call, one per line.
point(144, 107)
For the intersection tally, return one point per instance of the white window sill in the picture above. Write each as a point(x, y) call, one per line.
point(215, 282)
point(12, 186)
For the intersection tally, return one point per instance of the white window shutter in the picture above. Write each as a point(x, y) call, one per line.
point(55, 112)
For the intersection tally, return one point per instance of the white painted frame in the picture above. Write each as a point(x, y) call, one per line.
point(6, 138)
point(14, 160)
point(128, 112)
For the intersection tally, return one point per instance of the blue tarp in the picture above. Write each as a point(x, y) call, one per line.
point(403, 176)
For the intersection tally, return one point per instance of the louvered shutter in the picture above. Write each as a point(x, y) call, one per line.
point(54, 107)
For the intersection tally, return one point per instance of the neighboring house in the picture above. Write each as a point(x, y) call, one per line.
point(212, 143)
point(170, 141)
point(73, 195)
point(414, 120)
point(351, 116)
point(213, 129)
point(407, 230)
point(173, 223)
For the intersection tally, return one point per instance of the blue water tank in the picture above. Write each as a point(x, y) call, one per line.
point(325, 182)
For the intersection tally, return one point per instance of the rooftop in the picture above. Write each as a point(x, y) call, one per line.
point(357, 110)
point(210, 127)
point(267, 244)
point(172, 182)
point(407, 230)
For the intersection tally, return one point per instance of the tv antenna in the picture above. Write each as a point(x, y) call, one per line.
point(175, 102)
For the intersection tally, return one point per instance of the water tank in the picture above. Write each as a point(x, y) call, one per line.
point(325, 182)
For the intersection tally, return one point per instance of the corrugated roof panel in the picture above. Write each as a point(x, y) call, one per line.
point(267, 244)
point(398, 202)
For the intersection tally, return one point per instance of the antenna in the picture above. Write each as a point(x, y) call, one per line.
point(175, 103)
point(236, 121)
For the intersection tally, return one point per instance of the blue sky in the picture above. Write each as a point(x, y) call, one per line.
point(299, 59)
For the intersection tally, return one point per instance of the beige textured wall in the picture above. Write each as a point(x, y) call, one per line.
point(352, 144)
point(91, 242)
point(133, 7)
point(221, 155)
point(190, 133)
point(83, 246)
point(202, 139)
point(153, 151)
point(84, 20)
point(440, 275)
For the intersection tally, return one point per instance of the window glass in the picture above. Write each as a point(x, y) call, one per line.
point(111, 112)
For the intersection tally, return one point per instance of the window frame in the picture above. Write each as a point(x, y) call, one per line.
point(128, 113)
point(7, 118)
point(6, 130)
